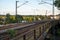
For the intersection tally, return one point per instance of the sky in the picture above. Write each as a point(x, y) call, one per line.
point(31, 8)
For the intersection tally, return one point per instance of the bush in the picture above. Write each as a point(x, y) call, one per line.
point(11, 33)
point(58, 32)
point(1, 23)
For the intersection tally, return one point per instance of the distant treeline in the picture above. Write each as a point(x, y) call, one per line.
point(6, 19)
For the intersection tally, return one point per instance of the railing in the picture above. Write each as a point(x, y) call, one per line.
point(34, 31)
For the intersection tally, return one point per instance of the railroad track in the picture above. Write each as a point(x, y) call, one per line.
point(8, 26)
point(25, 29)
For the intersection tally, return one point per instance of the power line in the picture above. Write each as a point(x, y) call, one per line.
point(22, 4)
point(18, 7)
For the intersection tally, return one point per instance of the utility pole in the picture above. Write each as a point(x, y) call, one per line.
point(50, 4)
point(53, 9)
point(46, 13)
point(33, 15)
point(54, 30)
point(16, 11)
point(18, 7)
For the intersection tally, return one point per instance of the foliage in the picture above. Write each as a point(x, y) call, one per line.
point(48, 17)
point(29, 19)
point(58, 32)
point(7, 18)
point(1, 21)
point(57, 3)
point(11, 33)
point(12, 18)
point(42, 17)
point(36, 18)
point(18, 18)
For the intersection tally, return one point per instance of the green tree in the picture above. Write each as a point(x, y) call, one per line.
point(57, 4)
point(11, 33)
point(7, 18)
point(12, 21)
point(42, 17)
point(19, 18)
point(1, 21)
point(36, 18)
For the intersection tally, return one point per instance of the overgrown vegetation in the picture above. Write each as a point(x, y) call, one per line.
point(11, 33)
point(8, 19)
point(57, 4)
